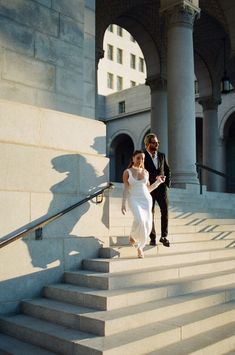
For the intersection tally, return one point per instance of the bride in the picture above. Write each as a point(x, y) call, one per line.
point(137, 193)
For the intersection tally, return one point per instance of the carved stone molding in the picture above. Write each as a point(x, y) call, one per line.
point(209, 103)
point(156, 82)
point(181, 14)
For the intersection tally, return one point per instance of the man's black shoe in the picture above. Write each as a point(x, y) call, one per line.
point(152, 242)
point(164, 241)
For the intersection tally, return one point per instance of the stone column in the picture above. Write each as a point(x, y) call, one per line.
point(213, 145)
point(159, 124)
point(180, 17)
point(99, 55)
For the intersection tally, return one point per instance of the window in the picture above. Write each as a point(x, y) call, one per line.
point(132, 61)
point(132, 38)
point(110, 51)
point(119, 83)
point(119, 56)
point(110, 80)
point(110, 28)
point(119, 31)
point(121, 107)
point(141, 65)
point(132, 83)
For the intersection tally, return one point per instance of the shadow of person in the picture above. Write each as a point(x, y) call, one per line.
point(99, 145)
point(63, 245)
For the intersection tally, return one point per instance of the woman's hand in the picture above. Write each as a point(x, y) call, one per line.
point(123, 209)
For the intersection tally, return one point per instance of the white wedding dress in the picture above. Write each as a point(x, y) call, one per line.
point(140, 204)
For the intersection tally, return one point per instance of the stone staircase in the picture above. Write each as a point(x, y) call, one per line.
point(177, 300)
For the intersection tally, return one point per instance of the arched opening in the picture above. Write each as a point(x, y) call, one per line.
point(142, 143)
point(121, 150)
point(230, 153)
point(123, 65)
point(125, 43)
point(199, 140)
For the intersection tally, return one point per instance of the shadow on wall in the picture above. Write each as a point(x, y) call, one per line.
point(63, 244)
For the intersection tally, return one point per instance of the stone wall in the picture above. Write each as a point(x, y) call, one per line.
point(49, 161)
point(47, 54)
point(136, 99)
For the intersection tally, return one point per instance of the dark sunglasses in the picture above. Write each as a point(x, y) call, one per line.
point(154, 142)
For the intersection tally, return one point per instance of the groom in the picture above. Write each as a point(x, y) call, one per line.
point(156, 164)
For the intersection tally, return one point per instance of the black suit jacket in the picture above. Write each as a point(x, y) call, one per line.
point(163, 169)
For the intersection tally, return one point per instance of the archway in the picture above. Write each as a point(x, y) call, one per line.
point(230, 152)
point(120, 153)
point(199, 140)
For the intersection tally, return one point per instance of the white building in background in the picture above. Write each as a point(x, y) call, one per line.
point(123, 65)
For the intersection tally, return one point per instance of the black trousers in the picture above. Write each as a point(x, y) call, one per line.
point(161, 197)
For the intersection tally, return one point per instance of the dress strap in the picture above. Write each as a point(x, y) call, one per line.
point(129, 171)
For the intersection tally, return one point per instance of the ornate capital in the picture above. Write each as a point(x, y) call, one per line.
point(181, 13)
point(156, 82)
point(209, 103)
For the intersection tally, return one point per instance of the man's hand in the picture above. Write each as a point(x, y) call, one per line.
point(160, 178)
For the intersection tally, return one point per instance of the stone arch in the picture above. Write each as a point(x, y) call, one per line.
point(229, 134)
point(203, 76)
point(142, 37)
point(145, 131)
point(120, 152)
point(146, 43)
point(224, 123)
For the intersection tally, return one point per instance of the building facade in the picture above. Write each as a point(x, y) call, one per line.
point(126, 131)
point(53, 150)
point(123, 65)
point(182, 40)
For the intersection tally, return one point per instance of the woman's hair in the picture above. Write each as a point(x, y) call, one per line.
point(136, 152)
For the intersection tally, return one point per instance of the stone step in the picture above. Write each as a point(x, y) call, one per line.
point(123, 221)
point(178, 247)
point(62, 313)
point(187, 221)
point(175, 238)
point(112, 322)
point(159, 334)
point(120, 298)
point(198, 322)
point(176, 211)
point(217, 341)
point(224, 228)
point(124, 230)
point(68, 341)
point(10, 345)
point(53, 337)
point(216, 221)
point(112, 281)
point(215, 207)
point(150, 260)
point(191, 324)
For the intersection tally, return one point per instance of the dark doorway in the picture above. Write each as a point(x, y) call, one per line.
point(230, 156)
point(121, 151)
point(199, 140)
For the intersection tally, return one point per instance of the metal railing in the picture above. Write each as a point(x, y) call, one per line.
point(201, 167)
point(37, 228)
